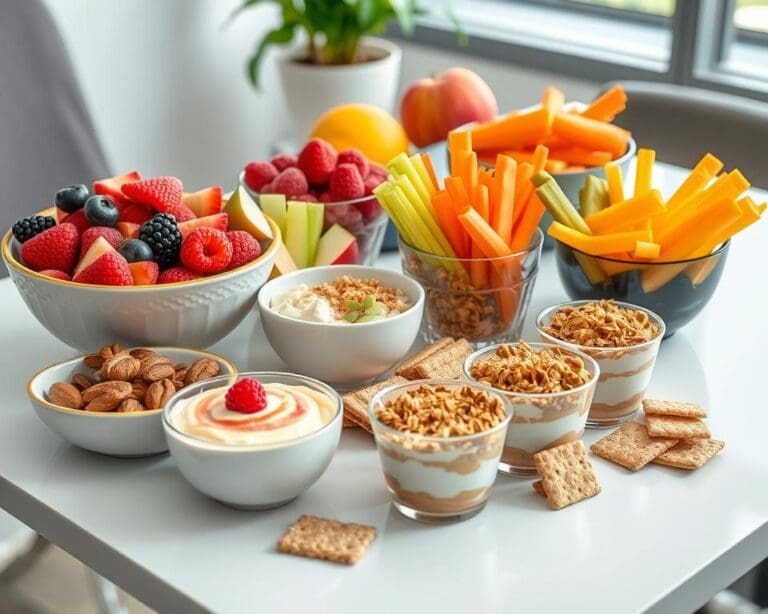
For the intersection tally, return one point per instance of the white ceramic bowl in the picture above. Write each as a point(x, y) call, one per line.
point(194, 313)
point(254, 477)
point(111, 433)
point(341, 353)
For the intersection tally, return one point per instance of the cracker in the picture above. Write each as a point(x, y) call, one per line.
point(356, 402)
point(538, 488)
point(676, 426)
point(347, 423)
point(407, 368)
point(446, 363)
point(657, 407)
point(566, 474)
point(631, 446)
point(690, 453)
point(330, 540)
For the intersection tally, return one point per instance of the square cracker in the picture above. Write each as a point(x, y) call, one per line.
point(566, 474)
point(445, 363)
point(330, 540)
point(631, 446)
point(690, 453)
point(676, 426)
point(686, 409)
point(407, 369)
point(356, 402)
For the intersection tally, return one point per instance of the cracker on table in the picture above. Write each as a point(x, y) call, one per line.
point(347, 423)
point(566, 474)
point(330, 540)
point(538, 488)
point(631, 446)
point(676, 426)
point(407, 368)
point(687, 409)
point(356, 402)
point(446, 363)
point(690, 453)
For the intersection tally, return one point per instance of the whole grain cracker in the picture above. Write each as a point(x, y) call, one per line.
point(657, 407)
point(631, 446)
point(567, 475)
point(356, 402)
point(445, 363)
point(330, 540)
point(676, 426)
point(690, 453)
point(407, 368)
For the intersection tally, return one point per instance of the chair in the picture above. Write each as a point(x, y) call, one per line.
point(682, 123)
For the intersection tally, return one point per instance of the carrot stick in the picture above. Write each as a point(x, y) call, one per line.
point(478, 268)
point(514, 131)
point(524, 194)
point(480, 202)
point(699, 229)
point(523, 189)
point(490, 244)
point(580, 156)
point(644, 249)
point(615, 183)
point(459, 143)
point(504, 189)
point(552, 99)
point(622, 216)
point(697, 180)
point(469, 172)
point(644, 171)
point(448, 223)
point(608, 105)
point(485, 178)
point(550, 165)
point(598, 245)
point(590, 133)
point(458, 191)
point(506, 296)
point(427, 159)
point(527, 224)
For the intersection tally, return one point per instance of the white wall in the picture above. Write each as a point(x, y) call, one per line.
point(166, 85)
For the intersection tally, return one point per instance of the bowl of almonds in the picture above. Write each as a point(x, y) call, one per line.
point(111, 401)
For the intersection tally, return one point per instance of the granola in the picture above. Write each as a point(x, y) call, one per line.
point(346, 289)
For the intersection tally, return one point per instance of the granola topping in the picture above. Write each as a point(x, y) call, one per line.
point(602, 324)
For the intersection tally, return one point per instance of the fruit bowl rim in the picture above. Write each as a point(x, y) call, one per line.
point(274, 245)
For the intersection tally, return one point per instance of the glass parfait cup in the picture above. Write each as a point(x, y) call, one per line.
point(540, 420)
point(433, 479)
point(483, 300)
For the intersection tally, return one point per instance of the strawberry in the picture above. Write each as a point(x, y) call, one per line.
point(55, 274)
point(111, 186)
point(203, 202)
point(109, 269)
point(176, 274)
point(266, 189)
point(133, 213)
point(354, 156)
point(246, 396)
point(77, 219)
point(160, 193)
point(144, 273)
point(346, 183)
point(317, 161)
point(206, 250)
point(244, 248)
point(283, 161)
point(290, 182)
point(55, 248)
point(113, 236)
point(258, 173)
point(220, 221)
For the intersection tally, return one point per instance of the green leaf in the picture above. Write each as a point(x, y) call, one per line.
point(279, 36)
point(404, 11)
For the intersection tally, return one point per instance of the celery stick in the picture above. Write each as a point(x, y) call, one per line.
point(421, 169)
point(425, 214)
point(314, 229)
point(593, 197)
point(402, 165)
point(558, 205)
point(382, 192)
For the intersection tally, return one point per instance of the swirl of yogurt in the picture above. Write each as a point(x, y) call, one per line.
point(301, 303)
point(291, 412)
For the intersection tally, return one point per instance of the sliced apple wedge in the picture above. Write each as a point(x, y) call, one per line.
point(284, 264)
point(128, 229)
point(99, 247)
point(273, 205)
point(296, 236)
point(314, 229)
point(336, 246)
point(144, 272)
point(244, 214)
point(203, 202)
point(218, 221)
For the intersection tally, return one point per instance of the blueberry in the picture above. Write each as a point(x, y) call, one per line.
point(101, 211)
point(135, 250)
point(72, 198)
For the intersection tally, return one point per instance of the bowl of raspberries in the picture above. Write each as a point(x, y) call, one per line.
point(338, 183)
point(141, 261)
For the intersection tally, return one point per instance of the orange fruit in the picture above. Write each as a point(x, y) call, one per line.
point(371, 129)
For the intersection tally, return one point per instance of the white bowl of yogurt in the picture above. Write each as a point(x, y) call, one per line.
point(317, 334)
point(255, 460)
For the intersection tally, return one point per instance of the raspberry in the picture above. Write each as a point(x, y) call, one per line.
point(290, 182)
point(246, 396)
point(258, 173)
point(266, 189)
point(308, 198)
point(206, 250)
point(377, 171)
point(109, 269)
point(346, 183)
point(325, 197)
point(347, 216)
point(55, 274)
point(317, 161)
point(283, 161)
point(244, 248)
point(176, 274)
point(55, 248)
point(354, 156)
point(113, 236)
point(372, 181)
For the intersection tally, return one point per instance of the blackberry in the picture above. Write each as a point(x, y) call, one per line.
point(162, 234)
point(30, 226)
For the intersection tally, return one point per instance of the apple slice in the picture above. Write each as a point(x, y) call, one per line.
point(218, 221)
point(128, 229)
point(111, 186)
point(314, 229)
point(203, 202)
point(97, 249)
point(336, 246)
point(244, 214)
point(284, 264)
point(296, 237)
point(273, 205)
point(144, 272)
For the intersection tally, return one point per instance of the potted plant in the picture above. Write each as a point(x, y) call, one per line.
point(332, 58)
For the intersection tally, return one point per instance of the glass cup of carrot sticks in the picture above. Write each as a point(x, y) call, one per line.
point(663, 254)
point(472, 240)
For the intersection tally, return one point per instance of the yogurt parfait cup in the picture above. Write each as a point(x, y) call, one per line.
point(625, 371)
point(540, 420)
point(433, 478)
point(256, 460)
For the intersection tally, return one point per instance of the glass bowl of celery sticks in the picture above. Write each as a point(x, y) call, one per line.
point(472, 241)
point(630, 244)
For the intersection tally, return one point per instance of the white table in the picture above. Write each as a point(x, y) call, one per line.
point(661, 539)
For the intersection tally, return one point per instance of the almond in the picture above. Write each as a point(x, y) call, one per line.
point(158, 393)
point(94, 361)
point(130, 406)
point(81, 381)
point(110, 350)
point(141, 353)
point(179, 366)
point(139, 389)
point(65, 395)
point(200, 370)
point(119, 390)
point(121, 366)
point(156, 367)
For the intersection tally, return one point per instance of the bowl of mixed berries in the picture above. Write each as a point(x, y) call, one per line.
point(323, 202)
point(142, 262)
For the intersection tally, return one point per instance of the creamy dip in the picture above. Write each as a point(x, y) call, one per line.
point(303, 304)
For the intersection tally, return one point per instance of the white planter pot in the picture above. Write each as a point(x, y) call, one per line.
point(311, 89)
